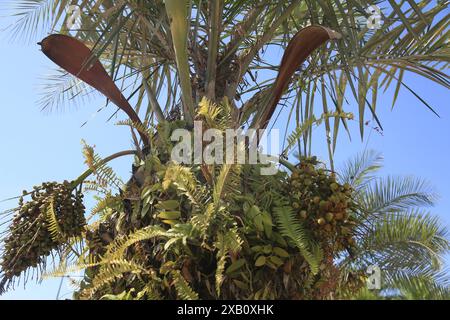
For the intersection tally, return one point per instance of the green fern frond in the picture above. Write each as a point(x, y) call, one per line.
point(228, 242)
point(94, 186)
point(108, 203)
point(231, 241)
point(185, 182)
point(89, 155)
point(216, 116)
point(209, 111)
point(227, 182)
point(105, 174)
point(150, 290)
point(118, 247)
point(140, 127)
point(184, 291)
point(298, 132)
point(201, 221)
point(226, 119)
point(52, 222)
point(362, 294)
point(150, 293)
point(63, 268)
point(221, 261)
point(180, 233)
point(125, 295)
point(111, 271)
point(220, 182)
point(291, 228)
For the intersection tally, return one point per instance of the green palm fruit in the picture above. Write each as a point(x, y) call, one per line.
point(329, 216)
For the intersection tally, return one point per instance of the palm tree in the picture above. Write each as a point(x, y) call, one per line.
point(170, 56)
point(395, 232)
point(216, 49)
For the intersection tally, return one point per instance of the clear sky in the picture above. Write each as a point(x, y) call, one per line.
point(37, 147)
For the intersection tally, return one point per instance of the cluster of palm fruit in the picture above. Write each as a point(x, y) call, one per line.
point(325, 207)
point(30, 239)
point(323, 204)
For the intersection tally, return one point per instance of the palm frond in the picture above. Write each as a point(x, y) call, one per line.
point(179, 26)
point(405, 244)
point(394, 194)
point(58, 88)
point(420, 288)
point(411, 230)
point(358, 171)
point(33, 17)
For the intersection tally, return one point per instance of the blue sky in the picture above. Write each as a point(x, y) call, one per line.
point(38, 147)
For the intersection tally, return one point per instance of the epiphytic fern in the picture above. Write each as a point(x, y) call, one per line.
point(227, 182)
point(52, 222)
point(111, 271)
point(184, 291)
point(105, 174)
point(186, 183)
point(229, 241)
point(216, 116)
point(117, 248)
point(105, 205)
point(140, 127)
point(298, 132)
point(291, 228)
